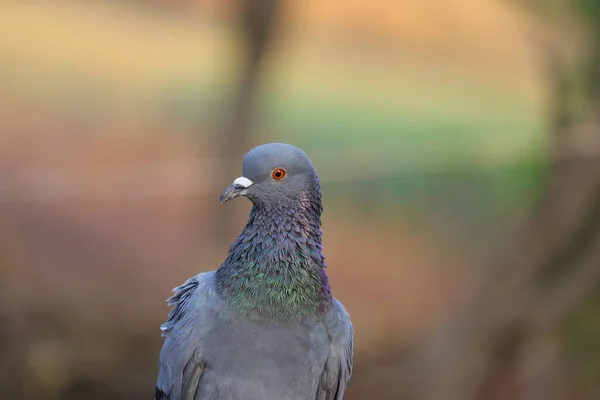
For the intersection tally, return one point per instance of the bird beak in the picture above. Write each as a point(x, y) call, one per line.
point(239, 187)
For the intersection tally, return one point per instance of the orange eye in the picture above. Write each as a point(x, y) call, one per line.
point(278, 174)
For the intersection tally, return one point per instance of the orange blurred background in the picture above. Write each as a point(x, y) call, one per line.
point(426, 120)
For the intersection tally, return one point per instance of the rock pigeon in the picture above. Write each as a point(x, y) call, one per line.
point(264, 325)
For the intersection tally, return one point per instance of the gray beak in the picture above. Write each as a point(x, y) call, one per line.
point(237, 188)
point(231, 192)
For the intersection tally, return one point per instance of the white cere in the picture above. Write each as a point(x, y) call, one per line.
point(243, 181)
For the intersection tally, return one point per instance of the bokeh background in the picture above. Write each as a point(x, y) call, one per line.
point(457, 142)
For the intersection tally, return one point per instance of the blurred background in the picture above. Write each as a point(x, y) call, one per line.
point(458, 143)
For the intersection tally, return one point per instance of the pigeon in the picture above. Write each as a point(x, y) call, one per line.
point(264, 325)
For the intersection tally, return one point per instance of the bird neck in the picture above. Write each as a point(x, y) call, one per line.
point(276, 267)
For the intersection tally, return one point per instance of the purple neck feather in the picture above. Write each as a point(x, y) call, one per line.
point(276, 267)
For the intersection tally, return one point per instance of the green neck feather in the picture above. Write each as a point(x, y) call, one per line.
point(278, 272)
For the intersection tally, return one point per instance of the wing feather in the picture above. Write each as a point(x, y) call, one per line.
point(181, 364)
point(338, 367)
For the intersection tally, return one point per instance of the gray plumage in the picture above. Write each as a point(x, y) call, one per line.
point(264, 325)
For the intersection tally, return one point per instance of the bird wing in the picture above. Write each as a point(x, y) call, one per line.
point(181, 360)
point(338, 367)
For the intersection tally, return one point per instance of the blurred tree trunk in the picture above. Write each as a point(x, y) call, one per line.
point(501, 344)
point(257, 19)
point(504, 331)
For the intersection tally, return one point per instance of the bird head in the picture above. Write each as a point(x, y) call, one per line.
point(273, 173)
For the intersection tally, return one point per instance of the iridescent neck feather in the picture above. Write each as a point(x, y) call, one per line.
point(276, 268)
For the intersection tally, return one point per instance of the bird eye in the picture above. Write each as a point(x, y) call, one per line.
point(278, 174)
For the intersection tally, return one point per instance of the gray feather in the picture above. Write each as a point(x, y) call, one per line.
point(212, 353)
point(265, 324)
